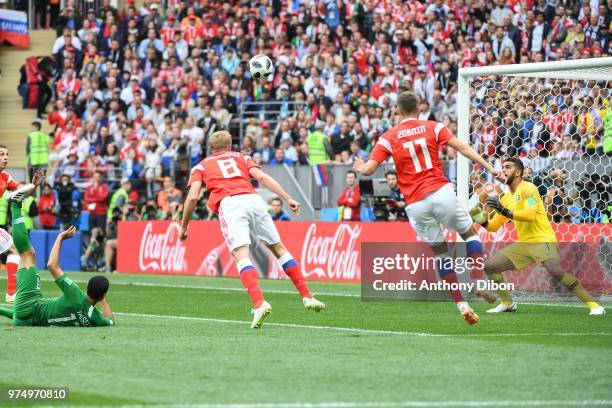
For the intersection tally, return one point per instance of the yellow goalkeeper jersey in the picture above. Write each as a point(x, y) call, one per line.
point(529, 215)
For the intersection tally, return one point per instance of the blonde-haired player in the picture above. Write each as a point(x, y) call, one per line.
point(227, 175)
point(537, 240)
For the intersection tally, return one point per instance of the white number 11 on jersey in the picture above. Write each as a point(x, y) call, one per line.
point(229, 168)
point(415, 158)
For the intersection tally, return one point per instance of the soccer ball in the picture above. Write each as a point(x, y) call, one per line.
point(261, 66)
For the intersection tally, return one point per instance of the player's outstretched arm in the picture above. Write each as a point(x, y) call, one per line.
point(190, 204)
point(268, 182)
point(53, 264)
point(364, 168)
point(467, 151)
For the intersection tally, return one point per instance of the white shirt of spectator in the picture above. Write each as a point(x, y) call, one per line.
point(537, 37)
point(195, 134)
point(61, 41)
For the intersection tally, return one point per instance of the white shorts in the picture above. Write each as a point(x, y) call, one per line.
point(439, 208)
point(245, 213)
point(6, 241)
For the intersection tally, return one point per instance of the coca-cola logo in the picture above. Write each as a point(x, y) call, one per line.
point(163, 252)
point(332, 256)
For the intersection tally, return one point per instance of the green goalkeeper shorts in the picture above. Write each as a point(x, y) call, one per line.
point(27, 295)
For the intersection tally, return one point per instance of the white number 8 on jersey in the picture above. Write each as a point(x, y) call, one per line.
point(229, 168)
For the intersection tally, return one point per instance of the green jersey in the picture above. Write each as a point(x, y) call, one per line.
point(70, 309)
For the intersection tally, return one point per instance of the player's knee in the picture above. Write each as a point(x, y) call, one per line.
point(277, 249)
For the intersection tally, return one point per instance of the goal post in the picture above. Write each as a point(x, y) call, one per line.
point(556, 116)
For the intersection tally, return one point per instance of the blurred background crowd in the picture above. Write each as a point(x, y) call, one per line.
point(133, 93)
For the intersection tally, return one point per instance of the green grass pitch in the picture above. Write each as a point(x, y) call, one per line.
point(187, 341)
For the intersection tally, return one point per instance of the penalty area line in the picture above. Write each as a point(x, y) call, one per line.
point(356, 329)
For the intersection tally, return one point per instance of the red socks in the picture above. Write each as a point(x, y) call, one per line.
point(456, 294)
point(248, 277)
point(292, 270)
point(12, 264)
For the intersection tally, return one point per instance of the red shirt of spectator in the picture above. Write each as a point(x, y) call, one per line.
point(350, 199)
point(69, 83)
point(96, 195)
point(167, 33)
point(414, 145)
point(225, 174)
point(557, 122)
point(46, 207)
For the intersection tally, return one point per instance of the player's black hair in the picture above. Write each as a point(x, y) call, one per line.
point(408, 102)
point(3, 147)
point(97, 287)
point(518, 164)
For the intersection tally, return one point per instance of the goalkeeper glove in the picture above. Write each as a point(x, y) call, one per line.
point(478, 216)
point(497, 206)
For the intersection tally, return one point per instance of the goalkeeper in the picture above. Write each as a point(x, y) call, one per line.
point(537, 241)
point(73, 307)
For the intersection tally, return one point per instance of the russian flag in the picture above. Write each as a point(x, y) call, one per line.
point(320, 174)
point(14, 28)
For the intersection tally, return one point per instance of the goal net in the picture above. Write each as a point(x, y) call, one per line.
point(557, 117)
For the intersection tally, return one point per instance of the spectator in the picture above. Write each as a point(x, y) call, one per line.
point(350, 200)
point(48, 208)
point(289, 150)
point(96, 197)
point(356, 151)
point(396, 205)
point(276, 210)
point(342, 140)
point(69, 201)
point(279, 157)
point(93, 258)
point(110, 247)
point(266, 151)
point(168, 195)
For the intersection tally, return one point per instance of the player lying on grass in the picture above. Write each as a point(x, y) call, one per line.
point(7, 183)
point(430, 199)
point(537, 240)
point(73, 307)
point(227, 175)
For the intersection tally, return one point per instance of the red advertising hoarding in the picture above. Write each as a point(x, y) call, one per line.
point(330, 251)
point(326, 251)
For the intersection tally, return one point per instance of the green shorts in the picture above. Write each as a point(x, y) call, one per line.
point(27, 295)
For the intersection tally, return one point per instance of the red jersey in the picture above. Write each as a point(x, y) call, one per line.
point(7, 183)
point(414, 145)
point(225, 174)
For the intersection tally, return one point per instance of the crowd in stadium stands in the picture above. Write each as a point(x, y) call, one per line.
point(139, 90)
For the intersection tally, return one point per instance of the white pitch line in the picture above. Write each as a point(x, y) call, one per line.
point(289, 292)
point(356, 329)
